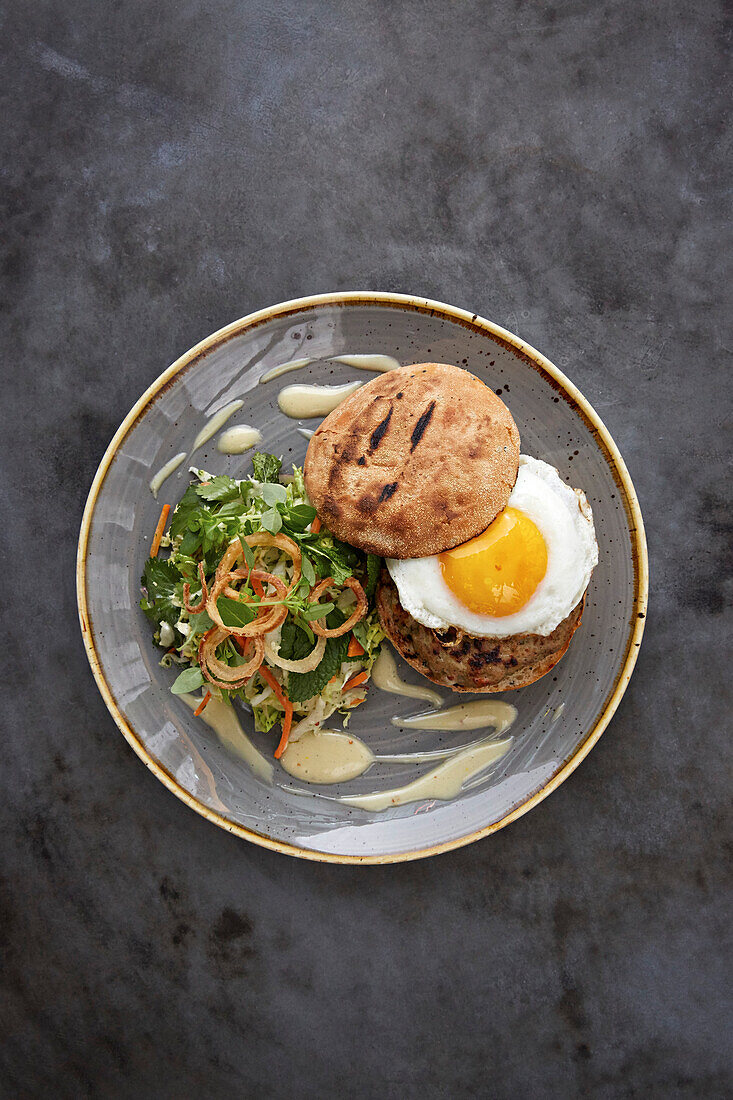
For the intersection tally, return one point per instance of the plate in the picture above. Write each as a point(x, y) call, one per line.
point(559, 718)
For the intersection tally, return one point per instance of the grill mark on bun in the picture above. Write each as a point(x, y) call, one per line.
point(419, 429)
point(378, 434)
point(388, 491)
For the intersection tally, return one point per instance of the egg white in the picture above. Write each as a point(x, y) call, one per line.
point(565, 521)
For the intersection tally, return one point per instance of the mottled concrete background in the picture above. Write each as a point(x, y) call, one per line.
point(168, 166)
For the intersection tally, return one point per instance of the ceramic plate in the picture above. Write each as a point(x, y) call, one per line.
point(559, 718)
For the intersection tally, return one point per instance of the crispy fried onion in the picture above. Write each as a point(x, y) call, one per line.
point(305, 664)
point(268, 618)
point(318, 625)
point(262, 539)
point(218, 672)
point(194, 609)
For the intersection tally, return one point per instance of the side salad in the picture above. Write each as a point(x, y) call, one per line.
point(256, 600)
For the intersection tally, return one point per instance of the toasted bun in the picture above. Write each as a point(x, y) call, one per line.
point(418, 460)
point(463, 662)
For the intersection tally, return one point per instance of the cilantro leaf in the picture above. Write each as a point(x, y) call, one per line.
point(374, 564)
point(160, 578)
point(265, 467)
point(304, 685)
point(189, 680)
point(218, 488)
point(188, 505)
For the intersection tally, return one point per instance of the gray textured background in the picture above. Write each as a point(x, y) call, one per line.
point(169, 166)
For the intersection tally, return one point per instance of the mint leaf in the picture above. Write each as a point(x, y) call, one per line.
point(274, 493)
point(265, 467)
point(160, 579)
point(334, 561)
point(294, 643)
point(304, 685)
point(234, 613)
point(374, 564)
point(189, 680)
point(218, 488)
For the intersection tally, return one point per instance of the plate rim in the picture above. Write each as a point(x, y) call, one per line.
point(557, 379)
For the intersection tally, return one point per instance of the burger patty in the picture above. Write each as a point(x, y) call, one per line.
point(464, 662)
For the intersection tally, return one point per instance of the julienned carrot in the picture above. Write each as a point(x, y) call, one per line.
point(282, 697)
point(355, 648)
point(159, 531)
point(202, 704)
point(360, 678)
point(316, 525)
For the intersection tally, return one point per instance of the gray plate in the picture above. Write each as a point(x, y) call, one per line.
point(560, 717)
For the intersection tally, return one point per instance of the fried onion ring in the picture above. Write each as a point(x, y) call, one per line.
point(270, 620)
point(306, 664)
point(263, 538)
point(357, 615)
point(218, 672)
point(191, 608)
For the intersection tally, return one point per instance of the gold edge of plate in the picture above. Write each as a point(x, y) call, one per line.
point(564, 385)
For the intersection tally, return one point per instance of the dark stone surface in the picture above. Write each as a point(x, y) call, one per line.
point(170, 166)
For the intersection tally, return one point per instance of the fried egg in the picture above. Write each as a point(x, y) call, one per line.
point(523, 575)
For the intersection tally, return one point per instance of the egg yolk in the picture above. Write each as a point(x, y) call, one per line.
point(497, 572)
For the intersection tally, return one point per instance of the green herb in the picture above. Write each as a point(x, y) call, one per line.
point(187, 507)
point(189, 680)
point(161, 579)
point(274, 493)
point(374, 564)
point(200, 623)
point(234, 613)
point(299, 516)
point(265, 467)
point(317, 611)
point(218, 488)
point(305, 685)
point(271, 520)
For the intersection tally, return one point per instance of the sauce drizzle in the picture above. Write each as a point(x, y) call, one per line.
point(165, 472)
point(212, 425)
point(304, 402)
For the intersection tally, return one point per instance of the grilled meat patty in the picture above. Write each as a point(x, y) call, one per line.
point(464, 662)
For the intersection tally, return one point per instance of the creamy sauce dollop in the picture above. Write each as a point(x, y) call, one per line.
point(303, 402)
point(326, 756)
point(238, 439)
